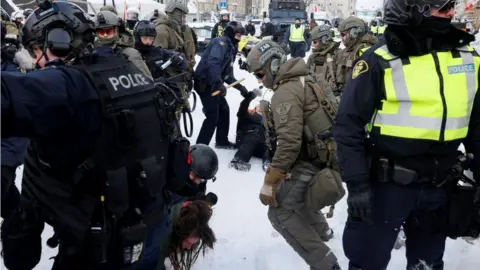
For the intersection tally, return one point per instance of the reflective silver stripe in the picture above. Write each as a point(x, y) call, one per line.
point(385, 50)
point(403, 118)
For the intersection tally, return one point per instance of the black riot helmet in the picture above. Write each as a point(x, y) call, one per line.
point(204, 161)
point(412, 12)
point(143, 28)
point(232, 29)
point(62, 27)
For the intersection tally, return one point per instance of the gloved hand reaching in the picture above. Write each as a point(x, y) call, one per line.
point(219, 86)
point(359, 199)
point(177, 59)
point(269, 189)
point(242, 64)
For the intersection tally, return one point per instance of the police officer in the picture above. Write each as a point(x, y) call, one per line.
point(13, 149)
point(215, 69)
point(107, 27)
point(220, 26)
point(173, 34)
point(82, 167)
point(356, 39)
point(299, 121)
point(297, 37)
point(126, 37)
point(324, 51)
point(154, 56)
point(374, 27)
point(250, 28)
point(417, 91)
point(132, 16)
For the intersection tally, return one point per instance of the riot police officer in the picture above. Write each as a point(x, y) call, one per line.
point(220, 26)
point(416, 92)
point(144, 34)
point(356, 39)
point(96, 126)
point(132, 17)
point(324, 51)
point(215, 68)
point(302, 127)
point(13, 149)
point(107, 28)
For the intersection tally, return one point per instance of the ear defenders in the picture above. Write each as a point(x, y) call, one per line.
point(277, 62)
point(59, 42)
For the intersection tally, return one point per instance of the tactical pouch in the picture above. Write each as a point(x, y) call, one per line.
point(462, 213)
point(132, 240)
point(341, 73)
point(178, 164)
point(324, 189)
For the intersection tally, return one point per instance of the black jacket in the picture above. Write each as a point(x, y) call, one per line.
point(360, 99)
point(249, 123)
point(250, 29)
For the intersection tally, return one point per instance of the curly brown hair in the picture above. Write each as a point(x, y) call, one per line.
point(192, 222)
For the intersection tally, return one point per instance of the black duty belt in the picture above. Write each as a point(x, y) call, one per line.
point(388, 171)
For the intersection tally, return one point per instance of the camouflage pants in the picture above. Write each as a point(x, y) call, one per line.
point(302, 228)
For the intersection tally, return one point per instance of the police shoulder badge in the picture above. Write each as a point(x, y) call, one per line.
point(359, 68)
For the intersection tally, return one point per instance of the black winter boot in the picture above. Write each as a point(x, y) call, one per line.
point(239, 165)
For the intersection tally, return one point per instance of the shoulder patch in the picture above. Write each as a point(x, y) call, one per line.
point(359, 68)
point(222, 43)
point(283, 108)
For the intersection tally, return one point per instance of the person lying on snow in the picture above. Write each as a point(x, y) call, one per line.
point(188, 236)
point(250, 139)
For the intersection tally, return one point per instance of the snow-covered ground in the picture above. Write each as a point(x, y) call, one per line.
point(246, 239)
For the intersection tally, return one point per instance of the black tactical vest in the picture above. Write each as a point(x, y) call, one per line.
point(136, 135)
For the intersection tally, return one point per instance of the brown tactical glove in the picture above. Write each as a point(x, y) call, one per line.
point(269, 188)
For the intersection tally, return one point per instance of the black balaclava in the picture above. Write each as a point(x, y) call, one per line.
point(431, 33)
point(177, 16)
point(230, 33)
point(297, 25)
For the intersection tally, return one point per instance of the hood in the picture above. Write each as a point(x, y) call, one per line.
point(165, 19)
point(294, 67)
point(23, 59)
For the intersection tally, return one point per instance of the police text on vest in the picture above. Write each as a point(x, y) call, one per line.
point(461, 69)
point(128, 81)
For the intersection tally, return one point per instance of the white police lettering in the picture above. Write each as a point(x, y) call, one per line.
point(128, 81)
point(461, 69)
point(264, 47)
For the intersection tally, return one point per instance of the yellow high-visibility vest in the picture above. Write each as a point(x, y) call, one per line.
point(296, 34)
point(381, 29)
point(220, 30)
point(374, 29)
point(428, 97)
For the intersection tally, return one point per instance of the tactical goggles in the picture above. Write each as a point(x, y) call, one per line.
point(105, 31)
point(259, 75)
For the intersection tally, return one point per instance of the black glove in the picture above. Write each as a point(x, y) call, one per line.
point(221, 87)
point(242, 89)
point(251, 95)
point(177, 59)
point(359, 199)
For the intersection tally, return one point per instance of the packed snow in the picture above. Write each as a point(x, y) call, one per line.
point(246, 239)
